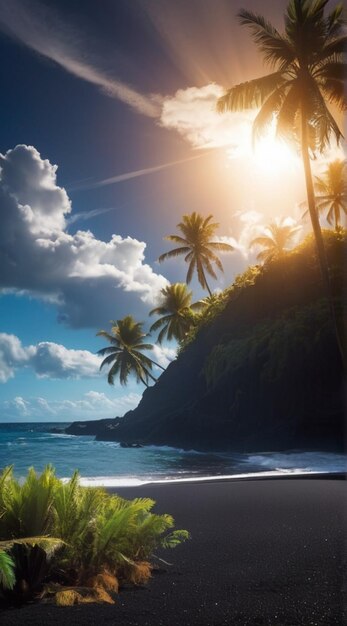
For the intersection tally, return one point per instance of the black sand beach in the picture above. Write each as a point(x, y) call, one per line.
point(262, 552)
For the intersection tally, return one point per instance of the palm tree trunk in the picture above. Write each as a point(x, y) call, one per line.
point(143, 380)
point(321, 252)
point(150, 376)
point(157, 365)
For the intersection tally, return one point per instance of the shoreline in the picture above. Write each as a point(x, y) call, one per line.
point(250, 476)
point(263, 552)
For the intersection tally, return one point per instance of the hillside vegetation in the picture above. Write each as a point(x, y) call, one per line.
point(260, 370)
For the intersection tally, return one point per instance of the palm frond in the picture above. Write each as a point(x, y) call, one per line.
point(276, 49)
point(108, 360)
point(219, 245)
point(108, 336)
point(172, 254)
point(287, 115)
point(191, 269)
point(250, 94)
point(110, 350)
point(160, 322)
point(208, 266)
point(265, 116)
point(7, 571)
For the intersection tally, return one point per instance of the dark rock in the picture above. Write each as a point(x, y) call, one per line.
point(125, 444)
point(88, 428)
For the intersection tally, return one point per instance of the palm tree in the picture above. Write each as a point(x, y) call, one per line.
point(198, 247)
point(331, 187)
point(275, 241)
point(176, 311)
point(125, 354)
point(307, 78)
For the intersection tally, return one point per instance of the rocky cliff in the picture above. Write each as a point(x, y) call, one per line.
point(262, 374)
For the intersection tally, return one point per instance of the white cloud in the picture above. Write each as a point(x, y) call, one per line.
point(43, 30)
point(20, 406)
point(89, 279)
point(52, 360)
point(47, 359)
point(163, 354)
point(92, 405)
point(12, 355)
point(192, 112)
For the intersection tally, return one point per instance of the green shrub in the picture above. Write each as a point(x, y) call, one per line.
point(83, 531)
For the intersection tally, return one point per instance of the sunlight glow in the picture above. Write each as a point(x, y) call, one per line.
point(272, 155)
point(269, 155)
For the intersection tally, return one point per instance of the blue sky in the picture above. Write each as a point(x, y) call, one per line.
point(126, 90)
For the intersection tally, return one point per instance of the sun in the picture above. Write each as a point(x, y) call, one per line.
point(273, 156)
point(268, 155)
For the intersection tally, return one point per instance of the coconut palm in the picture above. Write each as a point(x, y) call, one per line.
point(198, 247)
point(331, 196)
point(176, 311)
point(275, 242)
point(307, 79)
point(125, 354)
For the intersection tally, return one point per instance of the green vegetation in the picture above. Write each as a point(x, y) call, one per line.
point(332, 193)
point(125, 354)
point(309, 76)
point(288, 265)
point(55, 536)
point(177, 312)
point(274, 344)
point(198, 247)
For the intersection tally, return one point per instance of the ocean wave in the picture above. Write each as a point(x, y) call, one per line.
point(300, 461)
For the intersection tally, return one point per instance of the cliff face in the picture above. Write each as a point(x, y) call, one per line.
point(265, 373)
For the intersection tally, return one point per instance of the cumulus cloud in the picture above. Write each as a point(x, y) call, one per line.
point(192, 113)
point(90, 280)
point(43, 30)
point(47, 359)
point(92, 405)
point(163, 354)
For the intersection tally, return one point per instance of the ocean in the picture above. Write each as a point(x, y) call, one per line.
point(106, 463)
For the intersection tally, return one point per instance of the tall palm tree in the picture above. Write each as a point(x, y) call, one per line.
point(275, 241)
point(331, 190)
point(125, 354)
point(198, 247)
point(307, 79)
point(176, 311)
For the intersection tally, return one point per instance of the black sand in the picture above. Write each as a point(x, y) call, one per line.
point(262, 552)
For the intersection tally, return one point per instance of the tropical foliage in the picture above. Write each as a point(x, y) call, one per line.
point(176, 311)
point(308, 78)
point(125, 355)
point(275, 241)
point(81, 533)
point(331, 192)
point(197, 245)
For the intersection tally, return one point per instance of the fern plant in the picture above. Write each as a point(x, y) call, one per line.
point(84, 532)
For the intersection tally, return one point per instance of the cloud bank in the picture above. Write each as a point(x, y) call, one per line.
point(192, 113)
point(92, 405)
point(89, 280)
point(46, 359)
